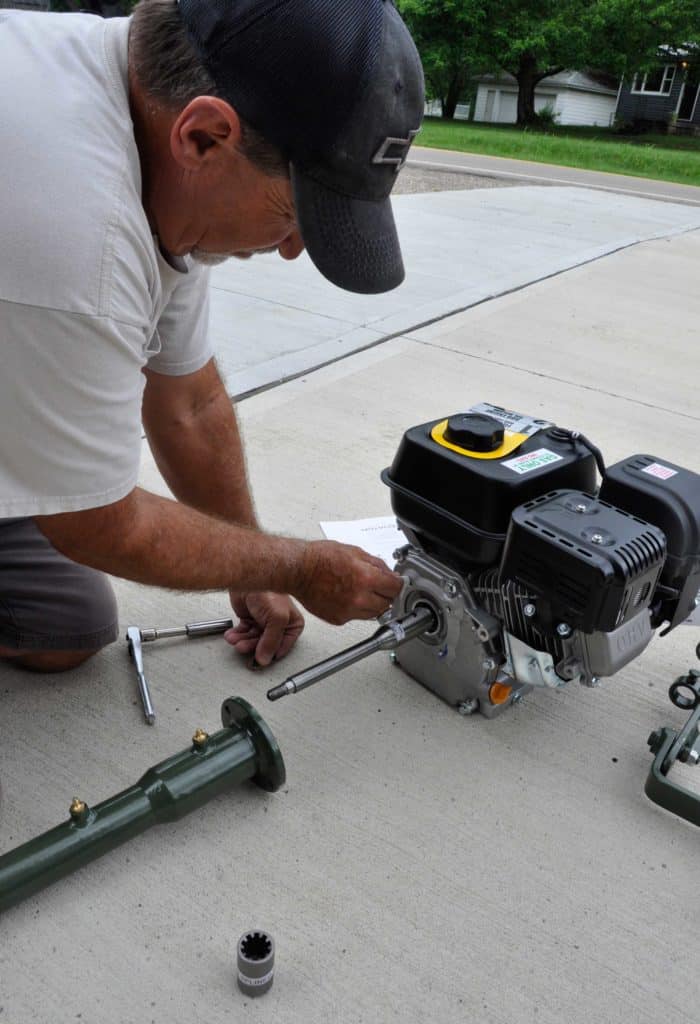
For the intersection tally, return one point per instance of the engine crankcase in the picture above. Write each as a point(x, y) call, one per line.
point(459, 659)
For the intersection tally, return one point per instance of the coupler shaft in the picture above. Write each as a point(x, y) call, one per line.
point(244, 749)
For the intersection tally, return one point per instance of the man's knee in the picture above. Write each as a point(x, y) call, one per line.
point(47, 661)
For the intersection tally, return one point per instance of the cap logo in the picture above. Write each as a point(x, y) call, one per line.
point(398, 148)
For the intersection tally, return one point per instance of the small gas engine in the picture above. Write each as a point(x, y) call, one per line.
point(519, 570)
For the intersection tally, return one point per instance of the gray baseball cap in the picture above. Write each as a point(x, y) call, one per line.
point(338, 86)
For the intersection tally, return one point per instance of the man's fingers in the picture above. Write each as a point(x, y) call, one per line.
point(241, 632)
point(389, 587)
point(270, 641)
point(288, 641)
point(385, 585)
point(246, 646)
point(269, 625)
point(372, 608)
point(378, 563)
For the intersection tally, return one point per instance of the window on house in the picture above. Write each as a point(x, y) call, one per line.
point(659, 80)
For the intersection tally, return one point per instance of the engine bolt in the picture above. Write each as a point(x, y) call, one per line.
point(581, 507)
point(655, 740)
point(597, 538)
point(595, 681)
point(450, 588)
point(529, 610)
point(392, 657)
point(488, 664)
point(468, 707)
point(564, 629)
point(399, 555)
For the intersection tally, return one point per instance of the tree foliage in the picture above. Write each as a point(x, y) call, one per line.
point(628, 33)
point(445, 32)
point(532, 39)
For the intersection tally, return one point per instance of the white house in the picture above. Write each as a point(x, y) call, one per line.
point(576, 97)
point(433, 108)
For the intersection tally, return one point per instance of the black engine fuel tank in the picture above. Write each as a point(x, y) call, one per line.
point(456, 481)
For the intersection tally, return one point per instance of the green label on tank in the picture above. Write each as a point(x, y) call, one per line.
point(532, 460)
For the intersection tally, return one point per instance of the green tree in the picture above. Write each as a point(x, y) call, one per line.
point(445, 33)
point(628, 33)
point(533, 39)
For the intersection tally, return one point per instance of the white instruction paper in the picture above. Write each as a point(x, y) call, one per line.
point(380, 536)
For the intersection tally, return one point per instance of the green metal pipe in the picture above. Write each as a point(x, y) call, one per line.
point(244, 749)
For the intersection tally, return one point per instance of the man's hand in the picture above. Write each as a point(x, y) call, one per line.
point(268, 627)
point(342, 582)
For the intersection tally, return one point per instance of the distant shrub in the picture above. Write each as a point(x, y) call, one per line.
point(546, 117)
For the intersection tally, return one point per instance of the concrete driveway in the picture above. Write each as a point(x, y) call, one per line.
point(418, 866)
point(273, 320)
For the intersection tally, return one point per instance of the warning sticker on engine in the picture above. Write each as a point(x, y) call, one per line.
point(515, 422)
point(532, 460)
point(662, 472)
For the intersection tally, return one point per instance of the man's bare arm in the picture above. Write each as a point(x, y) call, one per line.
point(193, 433)
point(161, 542)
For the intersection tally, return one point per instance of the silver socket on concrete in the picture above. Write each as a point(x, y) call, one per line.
point(256, 962)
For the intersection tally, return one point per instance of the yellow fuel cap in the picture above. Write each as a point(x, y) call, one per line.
point(488, 435)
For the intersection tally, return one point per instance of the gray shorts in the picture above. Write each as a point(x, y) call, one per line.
point(48, 602)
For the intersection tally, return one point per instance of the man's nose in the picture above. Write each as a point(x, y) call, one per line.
point(292, 246)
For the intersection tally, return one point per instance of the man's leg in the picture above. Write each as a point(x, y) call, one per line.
point(46, 661)
point(54, 613)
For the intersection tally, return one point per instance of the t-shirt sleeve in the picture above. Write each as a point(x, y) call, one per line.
point(181, 343)
point(70, 402)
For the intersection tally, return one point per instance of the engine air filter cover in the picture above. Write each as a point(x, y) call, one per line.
point(669, 497)
point(596, 565)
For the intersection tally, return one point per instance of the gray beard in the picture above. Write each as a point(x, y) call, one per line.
point(213, 259)
point(208, 259)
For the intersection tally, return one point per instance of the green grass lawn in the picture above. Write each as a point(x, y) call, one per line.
point(662, 157)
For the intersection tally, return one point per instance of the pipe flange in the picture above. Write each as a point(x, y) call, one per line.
point(271, 773)
point(256, 962)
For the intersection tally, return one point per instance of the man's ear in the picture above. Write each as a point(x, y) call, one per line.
point(203, 132)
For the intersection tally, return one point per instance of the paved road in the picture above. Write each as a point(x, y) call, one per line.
point(526, 172)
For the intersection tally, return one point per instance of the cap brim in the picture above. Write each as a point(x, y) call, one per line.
point(353, 242)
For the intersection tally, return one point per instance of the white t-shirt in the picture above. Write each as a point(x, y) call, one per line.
point(86, 299)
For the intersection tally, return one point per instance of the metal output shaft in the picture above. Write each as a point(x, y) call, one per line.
point(387, 638)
